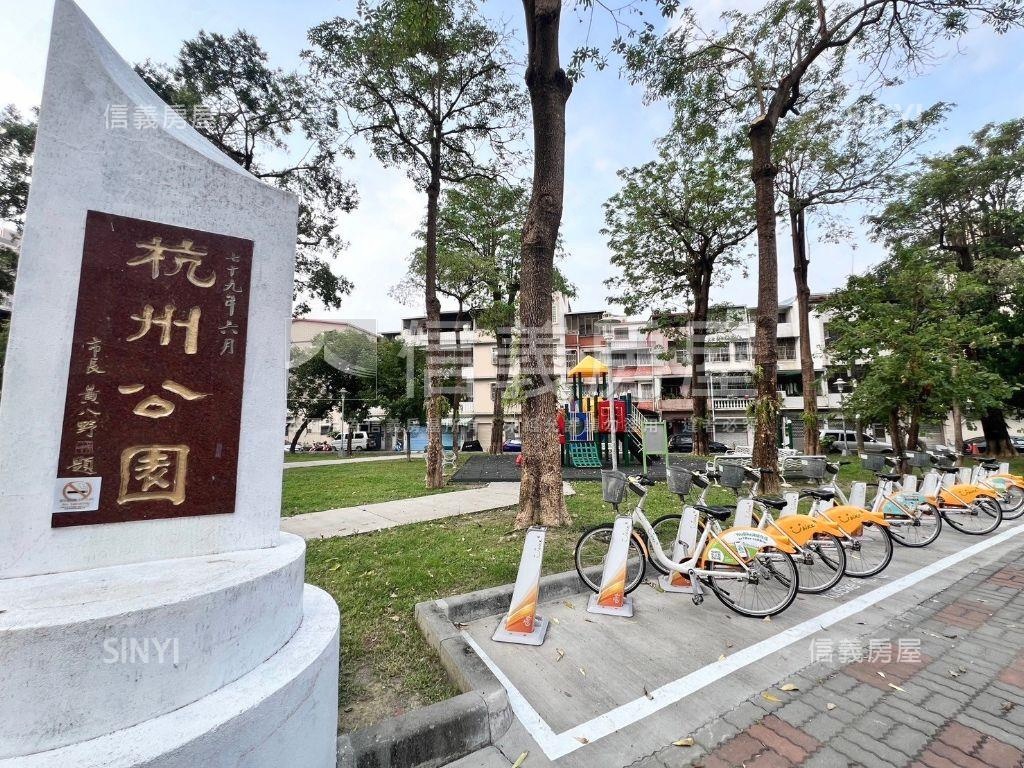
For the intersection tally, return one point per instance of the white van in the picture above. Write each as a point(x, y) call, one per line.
point(360, 442)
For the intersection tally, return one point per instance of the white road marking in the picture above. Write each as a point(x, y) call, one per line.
point(556, 745)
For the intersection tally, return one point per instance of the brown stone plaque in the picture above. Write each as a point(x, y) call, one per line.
point(154, 401)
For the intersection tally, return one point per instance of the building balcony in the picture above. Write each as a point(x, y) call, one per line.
point(675, 404)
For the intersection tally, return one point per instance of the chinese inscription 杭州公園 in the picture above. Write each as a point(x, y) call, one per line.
point(157, 366)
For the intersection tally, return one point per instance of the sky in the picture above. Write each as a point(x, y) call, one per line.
point(608, 127)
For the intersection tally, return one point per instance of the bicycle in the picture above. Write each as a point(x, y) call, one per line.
point(819, 554)
point(914, 520)
point(1010, 487)
point(865, 534)
point(970, 509)
point(750, 572)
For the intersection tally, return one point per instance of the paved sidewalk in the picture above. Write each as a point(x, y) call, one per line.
point(354, 460)
point(389, 514)
point(960, 704)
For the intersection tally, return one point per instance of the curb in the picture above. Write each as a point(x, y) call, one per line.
point(449, 730)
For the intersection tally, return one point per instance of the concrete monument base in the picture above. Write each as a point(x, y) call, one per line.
point(192, 661)
point(283, 713)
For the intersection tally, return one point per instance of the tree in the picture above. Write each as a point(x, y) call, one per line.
point(769, 62)
point(17, 142)
point(966, 208)
point(827, 160)
point(398, 388)
point(425, 84)
point(249, 110)
point(904, 325)
point(336, 365)
point(674, 229)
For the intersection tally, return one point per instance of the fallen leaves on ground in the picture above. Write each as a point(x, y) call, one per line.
point(787, 687)
point(770, 697)
point(520, 760)
point(687, 742)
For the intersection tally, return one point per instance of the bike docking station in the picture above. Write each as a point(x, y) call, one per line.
point(521, 624)
point(682, 550)
point(612, 599)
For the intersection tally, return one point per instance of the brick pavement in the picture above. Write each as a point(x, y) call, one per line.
point(941, 687)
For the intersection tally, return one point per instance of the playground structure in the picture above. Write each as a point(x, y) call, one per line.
point(593, 435)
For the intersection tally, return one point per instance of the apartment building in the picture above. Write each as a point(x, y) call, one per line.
point(473, 352)
point(304, 332)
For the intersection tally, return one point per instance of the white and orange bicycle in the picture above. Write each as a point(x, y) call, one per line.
point(750, 571)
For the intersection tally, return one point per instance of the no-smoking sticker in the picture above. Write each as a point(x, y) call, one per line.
point(77, 494)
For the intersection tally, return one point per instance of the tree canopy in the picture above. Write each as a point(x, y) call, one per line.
point(256, 114)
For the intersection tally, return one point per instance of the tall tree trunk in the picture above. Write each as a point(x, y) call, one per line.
point(408, 444)
point(898, 446)
point(699, 389)
point(298, 434)
point(766, 404)
point(435, 476)
point(914, 428)
point(859, 426)
point(500, 385)
point(997, 436)
point(540, 496)
point(801, 263)
point(958, 428)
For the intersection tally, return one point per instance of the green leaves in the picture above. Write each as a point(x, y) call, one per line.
point(676, 220)
point(249, 110)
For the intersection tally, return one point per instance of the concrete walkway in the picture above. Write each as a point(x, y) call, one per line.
point(389, 514)
point(354, 460)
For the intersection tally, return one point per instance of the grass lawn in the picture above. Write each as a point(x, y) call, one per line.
point(314, 489)
point(377, 578)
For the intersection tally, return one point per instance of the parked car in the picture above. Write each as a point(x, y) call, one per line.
point(683, 443)
point(514, 445)
point(835, 440)
point(977, 445)
point(360, 442)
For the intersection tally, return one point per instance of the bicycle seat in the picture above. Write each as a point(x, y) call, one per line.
point(818, 493)
point(719, 513)
point(771, 501)
point(990, 464)
point(890, 475)
point(948, 470)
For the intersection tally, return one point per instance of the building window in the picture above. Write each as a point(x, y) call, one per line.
point(742, 351)
point(619, 359)
point(787, 349)
point(783, 316)
point(646, 390)
point(622, 332)
point(683, 356)
point(325, 428)
point(718, 353)
point(572, 357)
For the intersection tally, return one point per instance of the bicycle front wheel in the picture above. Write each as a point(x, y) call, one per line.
point(768, 589)
point(920, 531)
point(869, 553)
point(1012, 503)
point(981, 516)
point(592, 551)
point(822, 564)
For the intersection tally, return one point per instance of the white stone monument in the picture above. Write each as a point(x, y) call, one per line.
point(151, 612)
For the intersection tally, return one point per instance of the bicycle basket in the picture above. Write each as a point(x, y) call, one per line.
point(679, 480)
point(873, 462)
point(613, 486)
point(813, 469)
point(919, 459)
point(732, 475)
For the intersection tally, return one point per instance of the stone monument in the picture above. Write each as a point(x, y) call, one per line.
point(151, 611)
